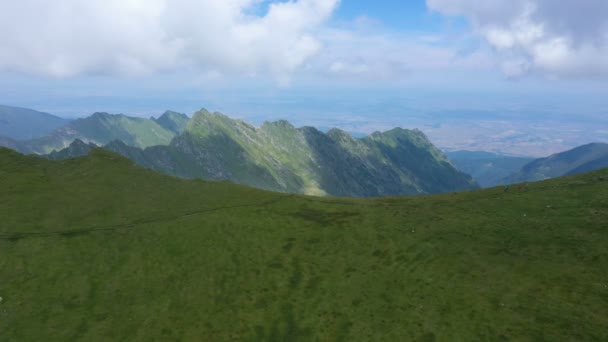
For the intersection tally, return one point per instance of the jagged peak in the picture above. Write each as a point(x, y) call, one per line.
point(173, 121)
point(104, 115)
point(310, 129)
point(78, 142)
point(205, 122)
point(201, 112)
point(205, 114)
point(338, 134)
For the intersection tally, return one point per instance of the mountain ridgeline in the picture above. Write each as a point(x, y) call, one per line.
point(577, 160)
point(279, 157)
point(21, 124)
point(102, 128)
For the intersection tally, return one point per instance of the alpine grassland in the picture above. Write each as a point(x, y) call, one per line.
point(98, 249)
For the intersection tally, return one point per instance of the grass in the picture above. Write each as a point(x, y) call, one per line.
point(96, 248)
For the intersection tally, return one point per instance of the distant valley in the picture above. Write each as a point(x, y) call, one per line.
point(487, 168)
point(491, 169)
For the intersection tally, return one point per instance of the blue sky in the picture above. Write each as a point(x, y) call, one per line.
point(308, 60)
point(395, 15)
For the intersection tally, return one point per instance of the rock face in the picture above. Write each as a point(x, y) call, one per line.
point(277, 156)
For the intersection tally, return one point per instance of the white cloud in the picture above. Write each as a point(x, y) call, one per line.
point(68, 38)
point(378, 55)
point(562, 39)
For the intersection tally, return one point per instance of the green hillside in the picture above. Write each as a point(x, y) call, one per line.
point(97, 249)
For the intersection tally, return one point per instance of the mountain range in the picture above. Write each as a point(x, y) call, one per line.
point(102, 128)
point(22, 124)
point(279, 157)
point(578, 160)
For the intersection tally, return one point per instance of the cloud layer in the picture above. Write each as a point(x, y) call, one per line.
point(133, 37)
point(561, 39)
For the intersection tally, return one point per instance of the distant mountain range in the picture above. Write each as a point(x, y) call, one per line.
point(102, 128)
point(280, 157)
point(487, 168)
point(22, 123)
point(491, 169)
point(277, 156)
point(578, 160)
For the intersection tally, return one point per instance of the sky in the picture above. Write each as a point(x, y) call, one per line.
point(362, 65)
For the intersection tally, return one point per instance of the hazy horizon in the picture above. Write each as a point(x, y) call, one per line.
point(522, 77)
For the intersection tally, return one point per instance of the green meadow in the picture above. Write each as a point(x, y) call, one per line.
point(98, 249)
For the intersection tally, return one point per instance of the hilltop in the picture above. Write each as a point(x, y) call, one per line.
point(97, 248)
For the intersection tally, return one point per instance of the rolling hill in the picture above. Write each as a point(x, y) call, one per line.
point(96, 248)
point(279, 157)
point(581, 159)
point(22, 124)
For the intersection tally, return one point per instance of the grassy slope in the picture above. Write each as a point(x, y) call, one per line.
point(142, 256)
point(275, 156)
